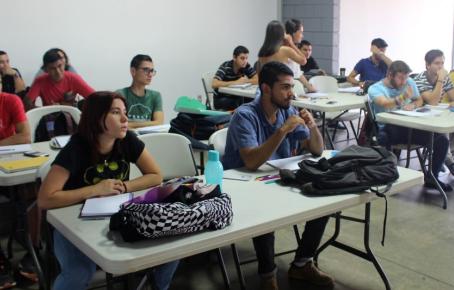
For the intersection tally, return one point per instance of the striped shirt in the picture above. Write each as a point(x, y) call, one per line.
point(225, 72)
point(424, 85)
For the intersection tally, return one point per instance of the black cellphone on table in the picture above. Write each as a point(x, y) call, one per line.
point(35, 154)
point(422, 110)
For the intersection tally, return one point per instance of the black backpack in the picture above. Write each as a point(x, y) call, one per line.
point(354, 169)
point(55, 124)
point(198, 126)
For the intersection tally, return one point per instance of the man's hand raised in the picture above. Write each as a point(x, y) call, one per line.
point(291, 123)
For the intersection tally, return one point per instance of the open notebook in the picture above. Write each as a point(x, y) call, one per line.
point(104, 206)
point(26, 163)
point(12, 149)
point(154, 129)
point(59, 142)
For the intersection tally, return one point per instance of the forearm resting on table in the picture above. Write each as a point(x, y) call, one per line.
point(253, 158)
point(62, 198)
point(143, 182)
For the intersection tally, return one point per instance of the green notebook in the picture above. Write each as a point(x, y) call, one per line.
point(189, 105)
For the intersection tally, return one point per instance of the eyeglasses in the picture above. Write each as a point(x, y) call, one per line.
point(147, 70)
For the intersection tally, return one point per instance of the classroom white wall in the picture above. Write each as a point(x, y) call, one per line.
point(184, 38)
point(410, 27)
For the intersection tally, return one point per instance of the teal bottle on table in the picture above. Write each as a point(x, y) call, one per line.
point(214, 171)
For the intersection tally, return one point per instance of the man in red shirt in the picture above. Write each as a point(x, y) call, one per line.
point(57, 86)
point(14, 128)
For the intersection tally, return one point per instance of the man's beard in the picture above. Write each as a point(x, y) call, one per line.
point(394, 85)
point(280, 106)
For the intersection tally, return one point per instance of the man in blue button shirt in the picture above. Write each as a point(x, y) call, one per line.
point(269, 128)
point(372, 68)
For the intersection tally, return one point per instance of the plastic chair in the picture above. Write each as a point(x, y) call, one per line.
point(328, 84)
point(51, 264)
point(218, 139)
point(207, 78)
point(324, 84)
point(173, 154)
point(35, 115)
point(298, 89)
point(422, 156)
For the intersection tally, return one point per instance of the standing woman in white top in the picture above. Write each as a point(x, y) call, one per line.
point(294, 28)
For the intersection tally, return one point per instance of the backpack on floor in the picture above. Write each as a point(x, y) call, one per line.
point(55, 124)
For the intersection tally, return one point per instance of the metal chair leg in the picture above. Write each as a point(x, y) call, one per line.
point(225, 275)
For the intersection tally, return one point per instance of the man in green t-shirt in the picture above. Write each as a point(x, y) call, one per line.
point(144, 106)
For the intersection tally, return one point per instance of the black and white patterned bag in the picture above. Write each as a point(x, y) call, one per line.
point(199, 207)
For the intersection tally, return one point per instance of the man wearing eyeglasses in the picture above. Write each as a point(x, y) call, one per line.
point(144, 105)
point(57, 86)
point(12, 79)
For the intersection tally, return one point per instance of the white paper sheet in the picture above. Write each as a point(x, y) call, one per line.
point(315, 95)
point(61, 141)
point(104, 206)
point(10, 149)
point(291, 163)
point(441, 106)
point(241, 86)
point(429, 113)
point(349, 90)
point(235, 175)
point(154, 129)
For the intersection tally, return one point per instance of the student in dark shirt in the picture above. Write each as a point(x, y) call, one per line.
point(306, 49)
point(11, 77)
point(372, 68)
point(233, 72)
point(94, 163)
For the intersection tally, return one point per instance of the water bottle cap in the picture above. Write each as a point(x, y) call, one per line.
point(213, 155)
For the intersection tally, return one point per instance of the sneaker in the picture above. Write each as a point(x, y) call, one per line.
point(310, 273)
point(269, 283)
point(27, 268)
point(444, 186)
point(6, 278)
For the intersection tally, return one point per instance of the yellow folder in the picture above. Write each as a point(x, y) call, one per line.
point(22, 164)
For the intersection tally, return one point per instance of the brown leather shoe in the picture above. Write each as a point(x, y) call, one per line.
point(269, 283)
point(311, 274)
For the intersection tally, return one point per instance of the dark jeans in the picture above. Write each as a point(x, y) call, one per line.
point(392, 135)
point(310, 240)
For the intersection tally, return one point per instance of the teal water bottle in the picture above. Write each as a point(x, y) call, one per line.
point(213, 169)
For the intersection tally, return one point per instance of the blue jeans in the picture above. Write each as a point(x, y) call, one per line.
point(77, 269)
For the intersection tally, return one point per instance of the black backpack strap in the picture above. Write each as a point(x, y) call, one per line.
point(69, 123)
point(385, 219)
point(382, 151)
